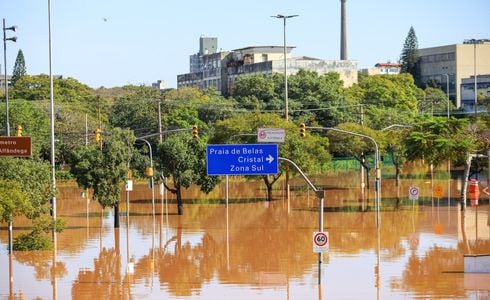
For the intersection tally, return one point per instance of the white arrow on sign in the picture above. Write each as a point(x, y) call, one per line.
point(270, 159)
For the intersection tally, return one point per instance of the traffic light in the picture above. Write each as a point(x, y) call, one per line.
point(302, 130)
point(195, 132)
point(18, 130)
point(149, 171)
point(98, 135)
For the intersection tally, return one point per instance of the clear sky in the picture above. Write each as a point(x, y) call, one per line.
point(117, 42)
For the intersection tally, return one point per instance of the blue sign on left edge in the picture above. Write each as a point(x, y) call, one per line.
point(242, 159)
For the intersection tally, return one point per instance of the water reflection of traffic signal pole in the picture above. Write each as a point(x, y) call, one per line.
point(320, 195)
point(377, 183)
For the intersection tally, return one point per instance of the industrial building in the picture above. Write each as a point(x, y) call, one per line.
point(220, 70)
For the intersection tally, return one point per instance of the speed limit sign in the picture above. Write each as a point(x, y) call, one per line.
point(320, 241)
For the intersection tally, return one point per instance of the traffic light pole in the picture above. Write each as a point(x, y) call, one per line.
point(150, 174)
point(320, 194)
point(377, 183)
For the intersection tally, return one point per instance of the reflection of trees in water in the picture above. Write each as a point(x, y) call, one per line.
point(263, 240)
point(104, 282)
point(42, 263)
point(428, 275)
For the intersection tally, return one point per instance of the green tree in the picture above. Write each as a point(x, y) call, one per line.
point(410, 55)
point(258, 92)
point(439, 139)
point(210, 106)
point(434, 100)
point(395, 95)
point(394, 141)
point(183, 159)
point(25, 188)
point(75, 103)
point(34, 121)
point(322, 97)
point(104, 170)
point(13, 200)
point(344, 144)
point(19, 67)
point(136, 110)
point(34, 179)
point(65, 90)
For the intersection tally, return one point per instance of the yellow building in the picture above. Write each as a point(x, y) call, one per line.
point(455, 62)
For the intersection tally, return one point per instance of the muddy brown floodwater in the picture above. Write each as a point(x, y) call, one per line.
point(254, 249)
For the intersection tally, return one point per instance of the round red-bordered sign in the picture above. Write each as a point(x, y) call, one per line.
point(320, 239)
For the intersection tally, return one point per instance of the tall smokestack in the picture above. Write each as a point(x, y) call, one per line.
point(343, 31)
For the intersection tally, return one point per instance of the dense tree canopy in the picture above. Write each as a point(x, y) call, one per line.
point(438, 139)
point(183, 159)
point(104, 169)
point(32, 179)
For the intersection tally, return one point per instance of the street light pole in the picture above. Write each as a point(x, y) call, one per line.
point(51, 108)
point(377, 180)
point(475, 42)
point(5, 39)
point(447, 92)
point(7, 125)
point(474, 74)
point(286, 111)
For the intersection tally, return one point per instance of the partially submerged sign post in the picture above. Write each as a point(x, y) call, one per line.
point(19, 146)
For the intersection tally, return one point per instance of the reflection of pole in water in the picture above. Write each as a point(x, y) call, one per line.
point(11, 276)
point(87, 209)
point(53, 270)
point(378, 261)
point(476, 223)
point(153, 248)
point(162, 187)
point(432, 184)
point(227, 228)
point(466, 243)
point(166, 205)
point(363, 197)
point(449, 193)
point(101, 225)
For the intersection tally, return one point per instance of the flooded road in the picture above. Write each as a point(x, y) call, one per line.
point(253, 249)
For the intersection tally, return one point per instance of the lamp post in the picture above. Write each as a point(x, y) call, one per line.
point(52, 139)
point(475, 42)
point(447, 92)
point(5, 39)
point(286, 112)
point(7, 122)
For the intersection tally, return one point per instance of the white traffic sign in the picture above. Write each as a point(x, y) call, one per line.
point(413, 193)
point(320, 241)
point(129, 185)
point(271, 135)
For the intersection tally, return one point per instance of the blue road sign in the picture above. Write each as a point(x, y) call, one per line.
point(242, 159)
